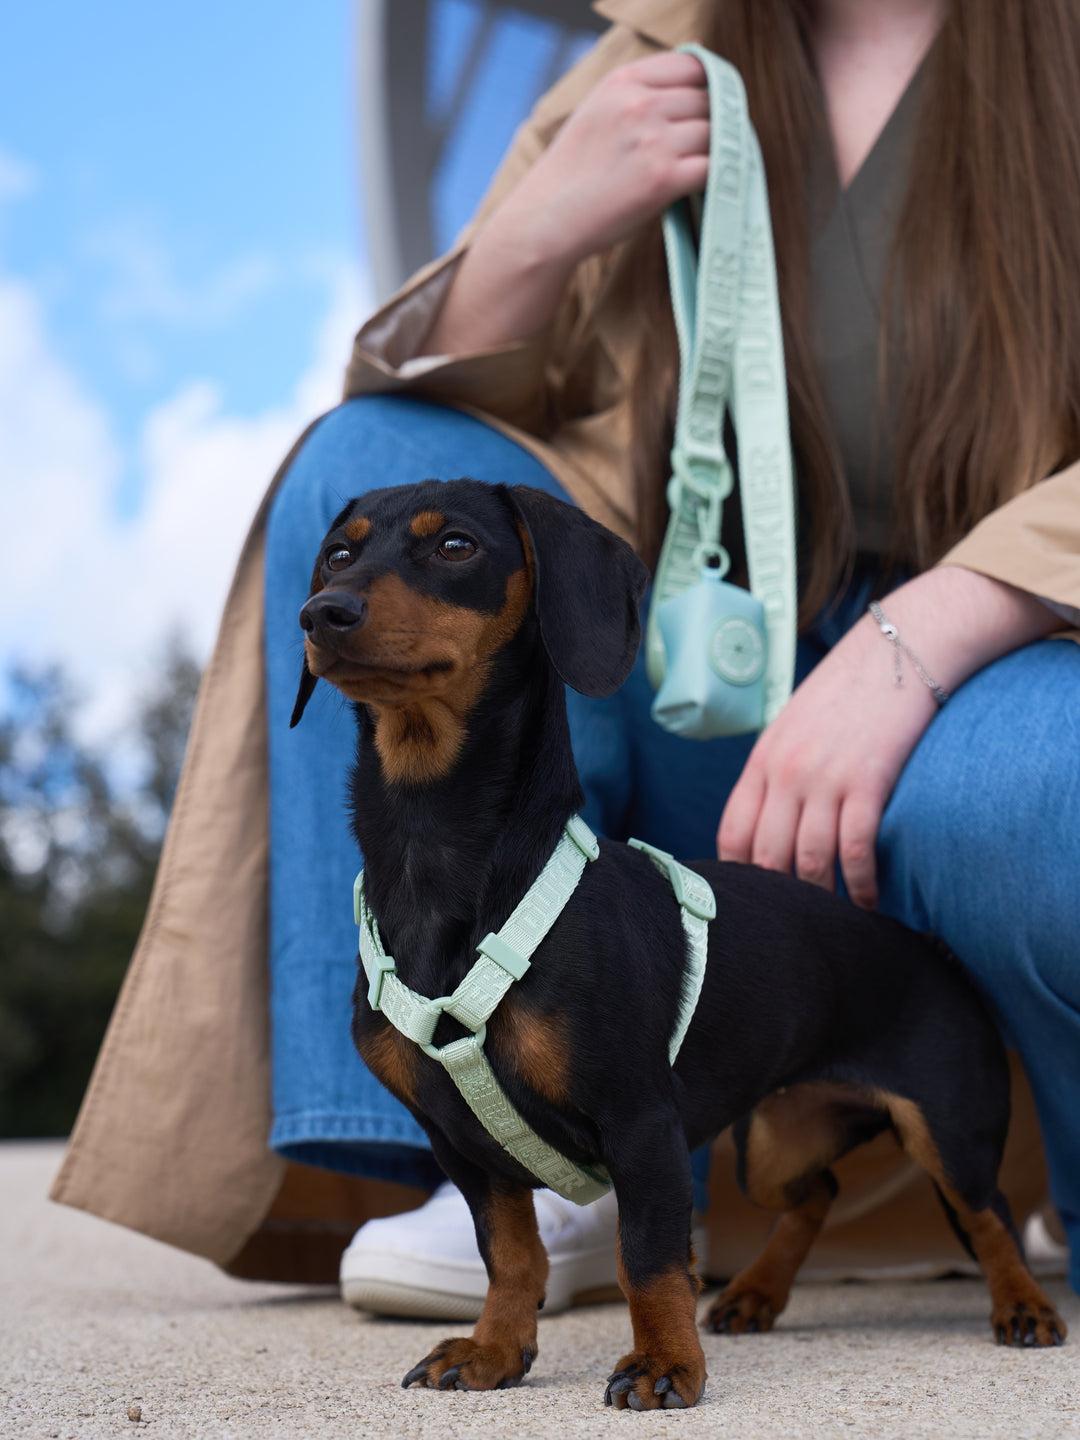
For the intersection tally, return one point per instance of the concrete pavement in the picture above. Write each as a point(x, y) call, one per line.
point(104, 1333)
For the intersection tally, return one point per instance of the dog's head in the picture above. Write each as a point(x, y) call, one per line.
point(417, 589)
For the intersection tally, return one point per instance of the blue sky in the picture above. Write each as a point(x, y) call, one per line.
point(182, 268)
point(192, 187)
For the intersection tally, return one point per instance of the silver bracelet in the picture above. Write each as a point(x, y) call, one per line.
point(889, 630)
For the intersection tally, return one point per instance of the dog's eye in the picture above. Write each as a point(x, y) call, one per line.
point(457, 547)
point(339, 559)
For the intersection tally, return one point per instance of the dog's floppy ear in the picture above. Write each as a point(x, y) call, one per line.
point(308, 681)
point(587, 587)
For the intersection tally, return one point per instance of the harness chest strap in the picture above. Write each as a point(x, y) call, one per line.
point(504, 958)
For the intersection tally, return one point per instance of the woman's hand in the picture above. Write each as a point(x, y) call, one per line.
point(638, 141)
point(820, 776)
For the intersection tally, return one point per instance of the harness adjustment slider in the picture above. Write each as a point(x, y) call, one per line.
point(583, 838)
point(382, 965)
point(504, 955)
point(357, 895)
point(691, 891)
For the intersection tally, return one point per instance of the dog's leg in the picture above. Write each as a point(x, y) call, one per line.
point(1022, 1313)
point(666, 1368)
point(757, 1295)
point(785, 1148)
point(502, 1347)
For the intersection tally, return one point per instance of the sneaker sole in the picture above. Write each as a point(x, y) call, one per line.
point(385, 1297)
point(406, 1302)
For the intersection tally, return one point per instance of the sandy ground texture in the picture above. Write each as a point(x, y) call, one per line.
point(106, 1333)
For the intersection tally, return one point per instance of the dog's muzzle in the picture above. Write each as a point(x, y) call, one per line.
point(333, 614)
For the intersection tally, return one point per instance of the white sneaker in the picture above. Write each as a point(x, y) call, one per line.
point(1045, 1255)
point(425, 1263)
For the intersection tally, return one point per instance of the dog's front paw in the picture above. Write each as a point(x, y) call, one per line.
point(648, 1382)
point(1021, 1324)
point(738, 1312)
point(464, 1365)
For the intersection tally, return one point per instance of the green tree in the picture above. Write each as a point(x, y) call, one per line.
point(79, 842)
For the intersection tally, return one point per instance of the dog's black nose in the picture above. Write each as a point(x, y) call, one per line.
point(334, 612)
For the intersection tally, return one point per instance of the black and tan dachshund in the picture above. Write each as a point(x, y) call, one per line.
point(452, 613)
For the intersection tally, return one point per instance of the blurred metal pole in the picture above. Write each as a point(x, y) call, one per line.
point(398, 152)
point(400, 148)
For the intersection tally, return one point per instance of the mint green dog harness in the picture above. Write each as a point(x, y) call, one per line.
point(504, 958)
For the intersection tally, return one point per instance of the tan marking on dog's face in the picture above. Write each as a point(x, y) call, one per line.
point(421, 664)
point(428, 522)
point(358, 528)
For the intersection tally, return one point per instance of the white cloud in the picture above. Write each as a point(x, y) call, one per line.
point(16, 177)
point(98, 595)
point(144, 283)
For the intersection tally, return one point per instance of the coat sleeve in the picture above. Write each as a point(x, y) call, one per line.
point(521, 384)
point(1032, 541)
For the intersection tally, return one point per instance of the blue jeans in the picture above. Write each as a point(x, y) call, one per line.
point(978, 843)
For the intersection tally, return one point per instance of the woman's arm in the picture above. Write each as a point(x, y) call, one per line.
point(637, 142)
point(819, 778)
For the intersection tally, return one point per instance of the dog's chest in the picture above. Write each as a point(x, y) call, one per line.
point(391, 1057)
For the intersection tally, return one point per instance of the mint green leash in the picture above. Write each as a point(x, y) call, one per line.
point(504, 958)
point(727, 317)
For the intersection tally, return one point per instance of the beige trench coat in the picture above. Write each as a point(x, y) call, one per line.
point(171, 1138)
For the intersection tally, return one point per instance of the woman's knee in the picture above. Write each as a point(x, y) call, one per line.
point(978, 841)
point(375, 441)
point(343, 455)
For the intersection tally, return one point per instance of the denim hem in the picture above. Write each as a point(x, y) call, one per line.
point(364, 1128)
point(368, 1147)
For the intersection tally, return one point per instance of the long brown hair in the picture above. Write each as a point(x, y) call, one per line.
point(985, 268)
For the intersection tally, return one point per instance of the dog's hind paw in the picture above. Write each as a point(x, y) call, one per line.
point(462, 1364)
point(639, 1383)
point(1028, 1325)
point(741, 1313)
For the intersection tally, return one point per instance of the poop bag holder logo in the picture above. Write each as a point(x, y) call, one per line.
point(722, 658)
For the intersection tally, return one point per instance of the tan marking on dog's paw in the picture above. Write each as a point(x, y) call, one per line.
point(646, 1382)
point(462, 1364)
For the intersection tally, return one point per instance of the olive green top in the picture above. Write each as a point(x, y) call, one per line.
point(851, 235)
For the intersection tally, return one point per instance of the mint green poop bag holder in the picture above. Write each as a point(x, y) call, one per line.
point(722, 659)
